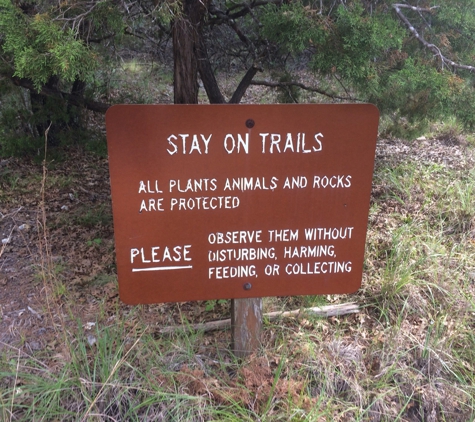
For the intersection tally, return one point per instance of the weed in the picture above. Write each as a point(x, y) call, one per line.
point(94, 242)
point(59, 181)
point(102, 279)
point(88, 217)
point(9, 179)
point(449, 130)
point(211, 305)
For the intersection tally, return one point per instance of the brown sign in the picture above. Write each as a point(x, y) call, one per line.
point(235, 201)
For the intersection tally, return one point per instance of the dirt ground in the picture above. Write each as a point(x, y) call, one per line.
point(73, 258)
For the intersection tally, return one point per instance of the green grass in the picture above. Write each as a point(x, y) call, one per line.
point(87, 217)
point(420, 290)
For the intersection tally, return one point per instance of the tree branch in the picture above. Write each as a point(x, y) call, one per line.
point(416, 8)
point(306, 88)
point(74, 99)
point(78, 19)
point(432, 47)
point(244, 9)
point(207, 75)
point(244, 84)
point(324, 311)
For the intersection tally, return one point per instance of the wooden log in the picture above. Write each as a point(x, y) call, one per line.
point(246, 326)
point(321, 311)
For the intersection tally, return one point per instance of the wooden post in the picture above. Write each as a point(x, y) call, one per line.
point(246, 325)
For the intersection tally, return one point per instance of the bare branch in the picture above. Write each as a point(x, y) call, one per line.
point(207, 75)
point(241, 35)
point(436, 50)
point(306, 88)
point(242, 10)
point(78, 19)
point(415, 8)
point(244, 84)
point(323, 311)
point(73, 99)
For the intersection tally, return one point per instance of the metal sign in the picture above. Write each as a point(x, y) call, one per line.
point(235, 201)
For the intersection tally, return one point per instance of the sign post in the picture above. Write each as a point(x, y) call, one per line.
point(240, 202)
point(246, 326)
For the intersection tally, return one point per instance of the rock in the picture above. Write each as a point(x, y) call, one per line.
point(35, 345)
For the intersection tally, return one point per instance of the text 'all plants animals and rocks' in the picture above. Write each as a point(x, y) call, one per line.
point(201, 208)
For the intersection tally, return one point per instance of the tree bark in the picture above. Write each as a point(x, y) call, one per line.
point(186, 33)
point(207, 75)
point(191, 57)
point(244, 84)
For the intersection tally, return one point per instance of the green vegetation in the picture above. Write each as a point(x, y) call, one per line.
point(62, 62)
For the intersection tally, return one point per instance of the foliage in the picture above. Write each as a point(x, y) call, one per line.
point(374, 58)
point(47, 51)
point(358, 46)
point(292, 26)
point(413, 60)
point(429, 90)
point(40, 48)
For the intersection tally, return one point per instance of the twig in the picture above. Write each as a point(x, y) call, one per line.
point(416, 8)
point(323, 311)
point(47, 274)
point(16, 380)
point(46, 367)
point(228, 14)
point(35, 313)
point(4, 245)
point(11, 214)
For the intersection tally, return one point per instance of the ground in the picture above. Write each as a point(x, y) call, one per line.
point(57, 269)
point(78, 244)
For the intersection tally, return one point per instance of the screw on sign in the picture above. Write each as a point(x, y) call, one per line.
point(240, 201)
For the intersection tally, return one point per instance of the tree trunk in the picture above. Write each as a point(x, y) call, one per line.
point(76, 116)
point(186, 36)
point(191, 57)
point(207, 75)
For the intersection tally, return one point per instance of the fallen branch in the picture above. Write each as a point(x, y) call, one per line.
point(322, 311)
point(304, 87)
